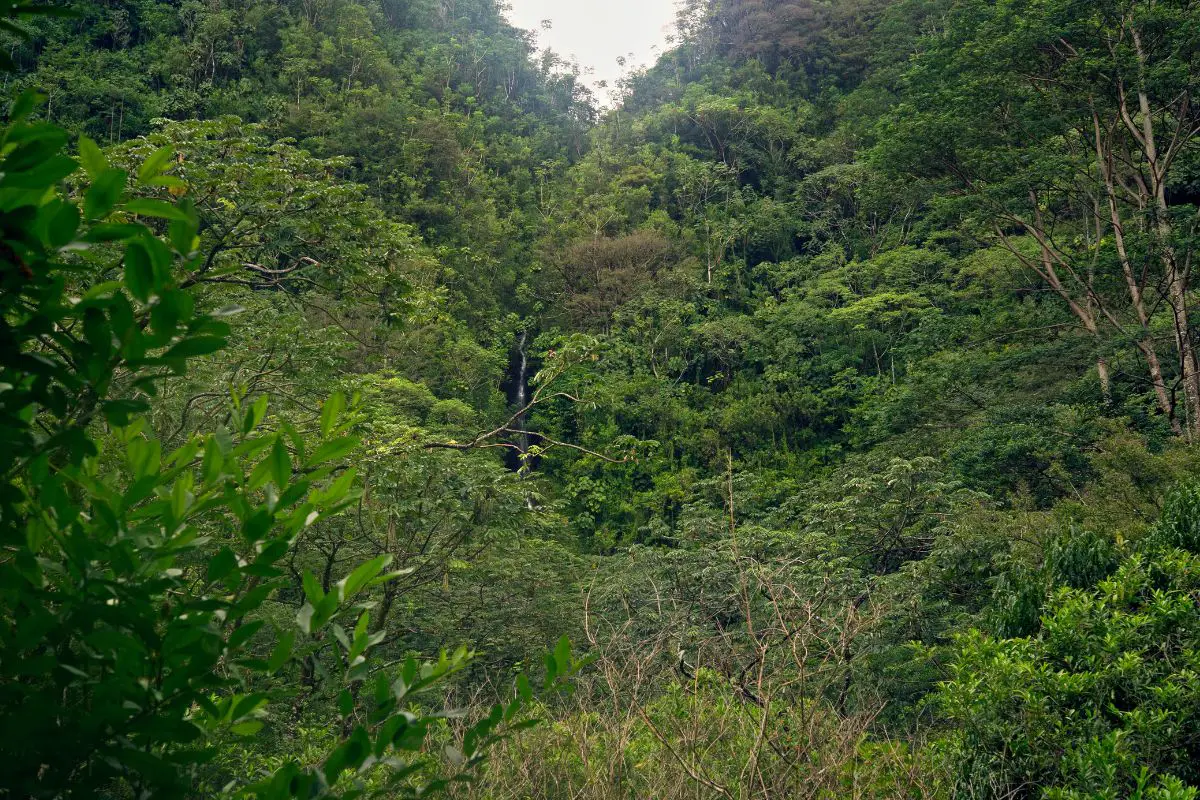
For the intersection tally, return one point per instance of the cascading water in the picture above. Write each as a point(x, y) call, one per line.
point(521, 393)
point(517, 385)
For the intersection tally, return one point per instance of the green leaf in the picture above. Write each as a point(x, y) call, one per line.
point(293, 493)
point(363, 625)
point(144, 457)
point(269, 554)
point(98, 334)
point(184, 454)
point(333, 450)
point(295, 438)
point(221, 565)
point(348, 755)
point(155, 164)
point(362, 575)
point(256, 526)
point(45, 175)
point(23, 105)
point(167, 181)
point(92, 158)
point(282, 652)
point(196, 346)
point(252, 446)
point(304, 617)
point(331, 409)
point(60, 231)
point(281, 464)
point(243, 634)
point(155, 208)
point(335, 764)
point(562, 655)
point(160, 256)
point(254, 414)
point(43, 144)
point(248, 728)
point(337, 490)
point(214, 461)
point(182, 232)
point(114, 232)
point(172, 307)
point(104, 193)
point(139, 273)
point(118, 412)
point(312, 589)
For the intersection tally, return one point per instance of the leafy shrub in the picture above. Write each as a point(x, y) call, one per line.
point(1179, 525)
point(1081, 559)
point(1102, 697)
point(134, 582)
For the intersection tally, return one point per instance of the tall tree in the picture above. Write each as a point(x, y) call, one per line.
point(1067, 125)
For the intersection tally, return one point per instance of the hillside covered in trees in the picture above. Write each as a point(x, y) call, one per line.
point(381, 416)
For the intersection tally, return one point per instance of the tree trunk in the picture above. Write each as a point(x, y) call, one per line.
point(1176, 279)
point(1144, 342)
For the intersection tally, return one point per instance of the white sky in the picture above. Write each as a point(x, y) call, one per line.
point(597, 32)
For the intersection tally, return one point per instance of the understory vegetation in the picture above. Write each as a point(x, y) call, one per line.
point(381, 415)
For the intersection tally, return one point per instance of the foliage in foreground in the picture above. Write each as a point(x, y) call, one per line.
point(1100, 698)
point(135, 581)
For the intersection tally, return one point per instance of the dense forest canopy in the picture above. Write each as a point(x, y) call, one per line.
point(381, 417)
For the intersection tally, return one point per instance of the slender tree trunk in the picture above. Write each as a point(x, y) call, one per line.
point(1176, 279)
point(1085, 312)
point(1105, 379)
point(1177, 297)
point(389, 588)
point(1144, 342)
point(1177, 291)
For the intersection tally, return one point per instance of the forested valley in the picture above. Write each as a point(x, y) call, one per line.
point(382, 414)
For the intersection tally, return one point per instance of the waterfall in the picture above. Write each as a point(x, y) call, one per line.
point(516, 386)
point(521, 389)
